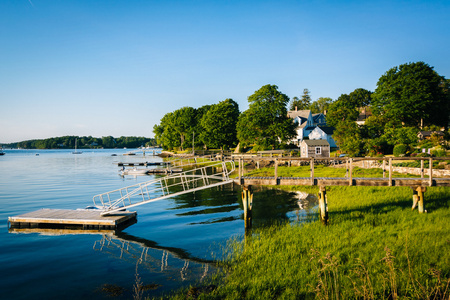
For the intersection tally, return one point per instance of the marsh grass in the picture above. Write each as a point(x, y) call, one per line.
point(375, 247)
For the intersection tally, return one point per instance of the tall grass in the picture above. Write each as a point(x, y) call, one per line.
point(374, 247)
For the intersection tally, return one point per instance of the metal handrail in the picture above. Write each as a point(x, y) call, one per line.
point(165, 187)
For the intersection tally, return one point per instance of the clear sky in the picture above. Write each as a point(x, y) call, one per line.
point(115, 67)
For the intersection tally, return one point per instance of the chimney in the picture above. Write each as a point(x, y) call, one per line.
point(296, 108)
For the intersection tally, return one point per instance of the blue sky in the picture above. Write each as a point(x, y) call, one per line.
point(115, 67)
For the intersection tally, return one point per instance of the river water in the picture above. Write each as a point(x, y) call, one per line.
point(173, 244)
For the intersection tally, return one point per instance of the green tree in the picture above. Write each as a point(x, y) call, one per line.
point(199, 113)
point(219, 125)
point(184, 123)
point(343, 114)
point(165, 133)
point(321, 105)
point(301, 104)
point(348, 137)
point(342, 110)
point(108, 142)
point(413, 94)
point(265, 123)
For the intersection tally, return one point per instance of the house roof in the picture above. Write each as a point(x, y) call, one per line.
point(429, 133)
point(299, 113)
point(316, 116)
point(316, 142)
point(327, 129)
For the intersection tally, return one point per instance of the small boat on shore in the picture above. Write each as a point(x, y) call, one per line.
point(141, 172)
point(134, 171)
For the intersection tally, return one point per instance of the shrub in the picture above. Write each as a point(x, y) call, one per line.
point(400, 150)
point(439, 153)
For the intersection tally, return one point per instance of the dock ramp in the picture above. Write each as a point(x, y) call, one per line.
point(211, 175)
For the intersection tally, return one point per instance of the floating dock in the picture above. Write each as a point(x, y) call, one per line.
point(73, 219)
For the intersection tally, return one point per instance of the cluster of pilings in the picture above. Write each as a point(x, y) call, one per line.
point(247, 202)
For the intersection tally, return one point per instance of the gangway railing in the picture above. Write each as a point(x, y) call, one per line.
point(169, 186)
point(192, 160)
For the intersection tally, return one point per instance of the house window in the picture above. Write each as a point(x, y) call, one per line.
point(318, 150)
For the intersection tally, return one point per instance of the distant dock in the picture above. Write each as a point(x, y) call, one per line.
point(73, 219)
point(146, 164)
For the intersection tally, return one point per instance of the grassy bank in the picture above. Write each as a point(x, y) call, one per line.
point(374, 247)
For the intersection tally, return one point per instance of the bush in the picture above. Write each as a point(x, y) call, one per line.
point(439, 153)
point(400, 150)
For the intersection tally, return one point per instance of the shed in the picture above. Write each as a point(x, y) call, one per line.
point(315, 148)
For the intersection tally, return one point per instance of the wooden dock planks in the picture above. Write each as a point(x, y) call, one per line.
point(81, 218)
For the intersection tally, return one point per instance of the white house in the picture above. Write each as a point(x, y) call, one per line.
point(323, 133)
point(307, 123)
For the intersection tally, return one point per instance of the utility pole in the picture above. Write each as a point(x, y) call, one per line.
point(193, 149)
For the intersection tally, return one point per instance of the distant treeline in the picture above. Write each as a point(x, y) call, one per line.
point(86, 142)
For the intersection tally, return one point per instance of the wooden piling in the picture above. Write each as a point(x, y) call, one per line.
point(350, 173)
point(420, 194)
point(323, 209)
point(430, 183)
point(415, 199)
point(247, 202)
point(240, 171)
point(276, 171)
point(421, 169)
point(390, 171)
point(312, 170)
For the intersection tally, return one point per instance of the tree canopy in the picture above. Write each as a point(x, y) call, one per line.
point(265, 123)
point(301, 104)
point(413, 94)
point(321, 105)
point(68, 142)
point(219, 125)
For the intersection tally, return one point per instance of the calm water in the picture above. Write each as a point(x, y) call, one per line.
point(175, 241)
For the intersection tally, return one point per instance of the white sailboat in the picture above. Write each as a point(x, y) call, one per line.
point(76, 152)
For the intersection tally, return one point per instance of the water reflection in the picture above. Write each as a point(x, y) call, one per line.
point(224, 204)
point(164, 268)
point(160, 268)
point(174, 263)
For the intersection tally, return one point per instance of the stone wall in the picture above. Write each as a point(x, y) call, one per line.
point(426, 171)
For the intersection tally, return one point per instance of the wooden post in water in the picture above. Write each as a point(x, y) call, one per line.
point(323, 209)
point(247, 202)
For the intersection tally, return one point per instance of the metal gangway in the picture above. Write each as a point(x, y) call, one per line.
point(212, 175)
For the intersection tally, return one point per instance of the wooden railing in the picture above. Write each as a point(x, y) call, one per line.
point(386, 163)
